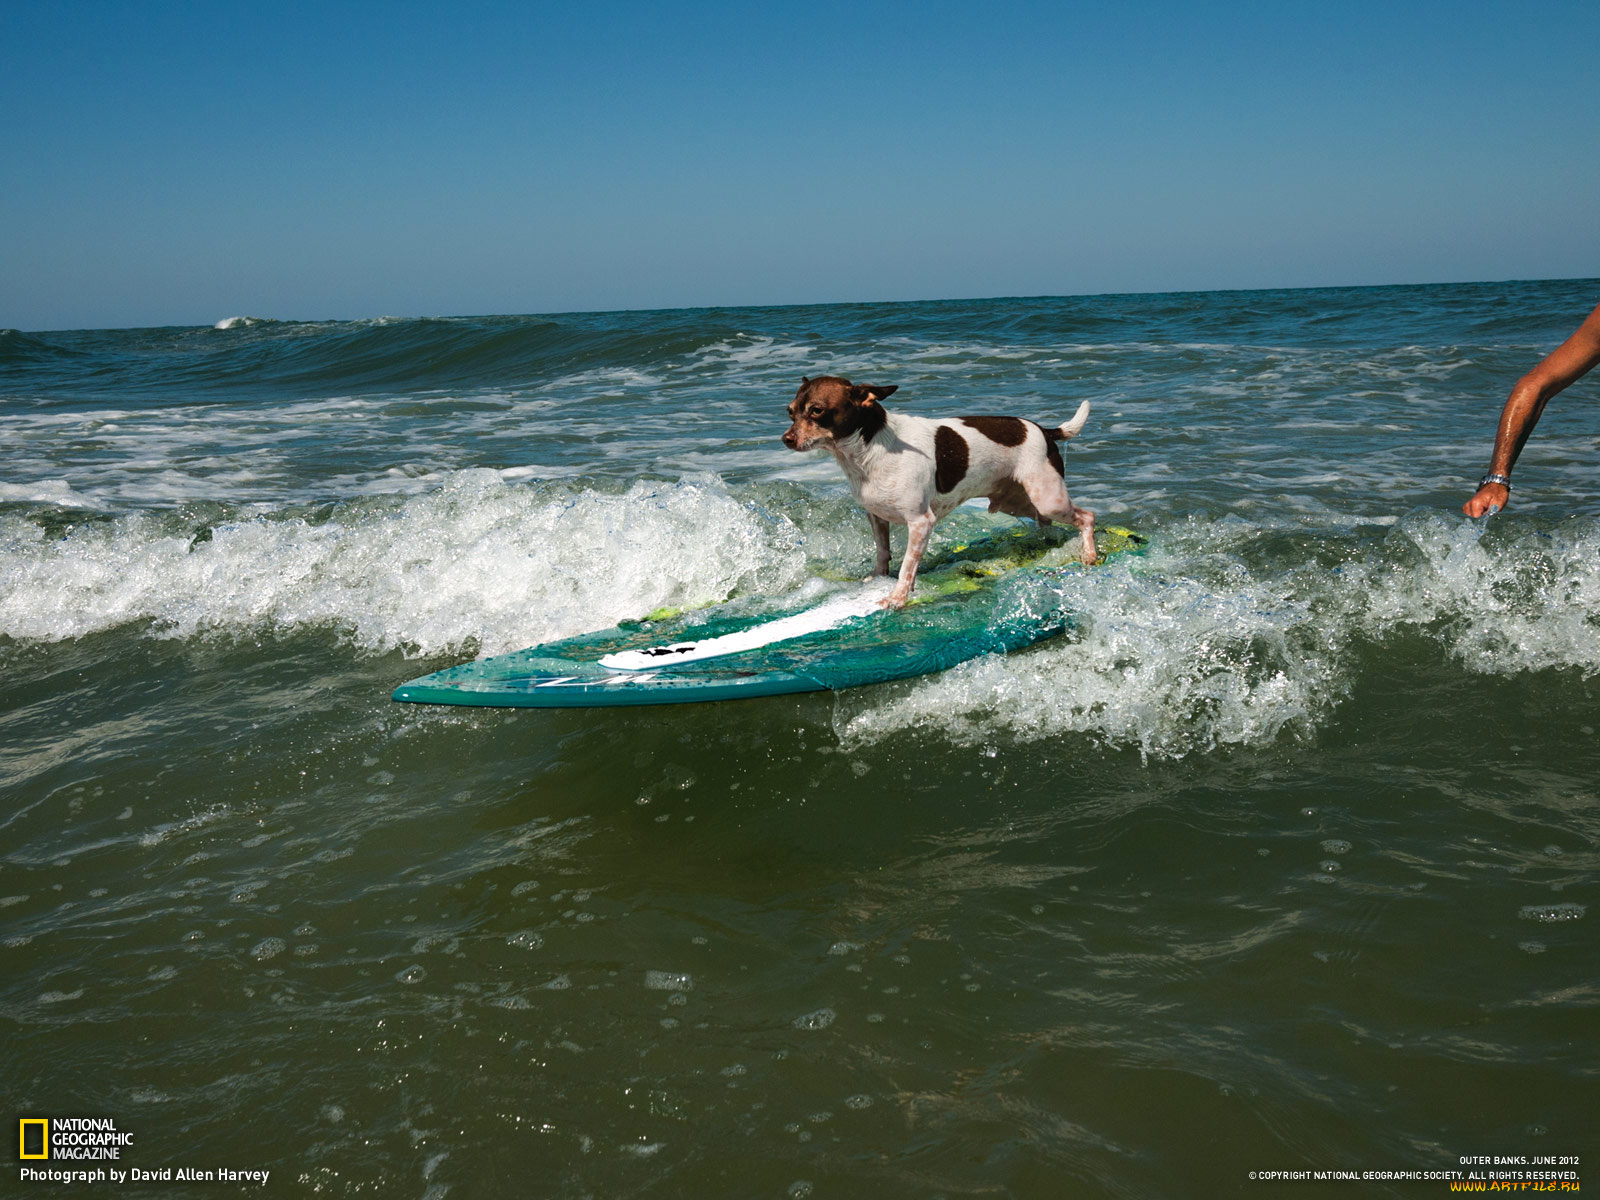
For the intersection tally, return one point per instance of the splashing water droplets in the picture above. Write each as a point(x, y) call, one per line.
point(1227, 633)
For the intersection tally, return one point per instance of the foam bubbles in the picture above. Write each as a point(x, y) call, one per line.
point(268, 948)
point(1551, 914)
point(820, 1019)
point(443, 942)
point(668, 981)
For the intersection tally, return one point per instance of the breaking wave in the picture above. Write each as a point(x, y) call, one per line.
point(1225, 633)
point(478, 565)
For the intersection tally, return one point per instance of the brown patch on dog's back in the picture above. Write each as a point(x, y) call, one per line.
point(949, 458)
point(1052, 452)
point(1006, 431)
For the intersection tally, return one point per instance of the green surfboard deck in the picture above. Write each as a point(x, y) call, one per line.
point(958, 611)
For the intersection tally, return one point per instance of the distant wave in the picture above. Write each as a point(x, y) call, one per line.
point(253, 355)
point(244, 322)
point(18, 349)
point(262, 355)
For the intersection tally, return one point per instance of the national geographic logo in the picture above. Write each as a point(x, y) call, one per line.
point(71, 1138)
point(66, 1142)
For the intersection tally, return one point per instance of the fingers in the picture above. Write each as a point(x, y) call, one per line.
point(1486, 501)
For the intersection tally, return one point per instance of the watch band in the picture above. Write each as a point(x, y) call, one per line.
point(1503, 480)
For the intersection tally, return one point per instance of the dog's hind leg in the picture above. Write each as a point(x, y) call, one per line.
point(1049, 496)
point(1084, 520)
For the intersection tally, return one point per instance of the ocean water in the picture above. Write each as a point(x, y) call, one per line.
point(1283, 859)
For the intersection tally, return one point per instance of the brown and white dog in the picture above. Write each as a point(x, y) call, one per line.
point(912, 471)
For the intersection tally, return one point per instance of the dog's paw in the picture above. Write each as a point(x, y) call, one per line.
point(892, 602)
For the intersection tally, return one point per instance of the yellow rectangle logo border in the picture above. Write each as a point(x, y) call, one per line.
point(22, 1137)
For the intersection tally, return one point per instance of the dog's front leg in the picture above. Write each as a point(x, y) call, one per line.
point(880, 535)
point(917, 531)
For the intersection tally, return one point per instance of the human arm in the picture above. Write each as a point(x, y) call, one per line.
point(1564, 365)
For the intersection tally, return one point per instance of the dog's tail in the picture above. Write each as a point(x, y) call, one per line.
point(1072, 428)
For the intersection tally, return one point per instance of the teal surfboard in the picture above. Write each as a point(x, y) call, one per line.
point(970, 599)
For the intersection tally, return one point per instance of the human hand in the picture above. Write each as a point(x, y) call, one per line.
point(1487, 500)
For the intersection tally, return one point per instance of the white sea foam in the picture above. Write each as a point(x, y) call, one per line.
point(477, 562)
point(602, 381)
point(114, 458)
point(47, 491)
point(748, 350)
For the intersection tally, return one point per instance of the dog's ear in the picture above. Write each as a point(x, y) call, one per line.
point(863, 393)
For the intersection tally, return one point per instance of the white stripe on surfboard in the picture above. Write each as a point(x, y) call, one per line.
point(829, 615)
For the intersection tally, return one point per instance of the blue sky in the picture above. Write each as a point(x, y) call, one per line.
point(180, 163)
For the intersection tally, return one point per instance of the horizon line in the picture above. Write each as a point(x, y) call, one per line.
point(689, 308)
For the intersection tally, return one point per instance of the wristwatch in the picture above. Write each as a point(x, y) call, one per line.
point(1503, 480)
